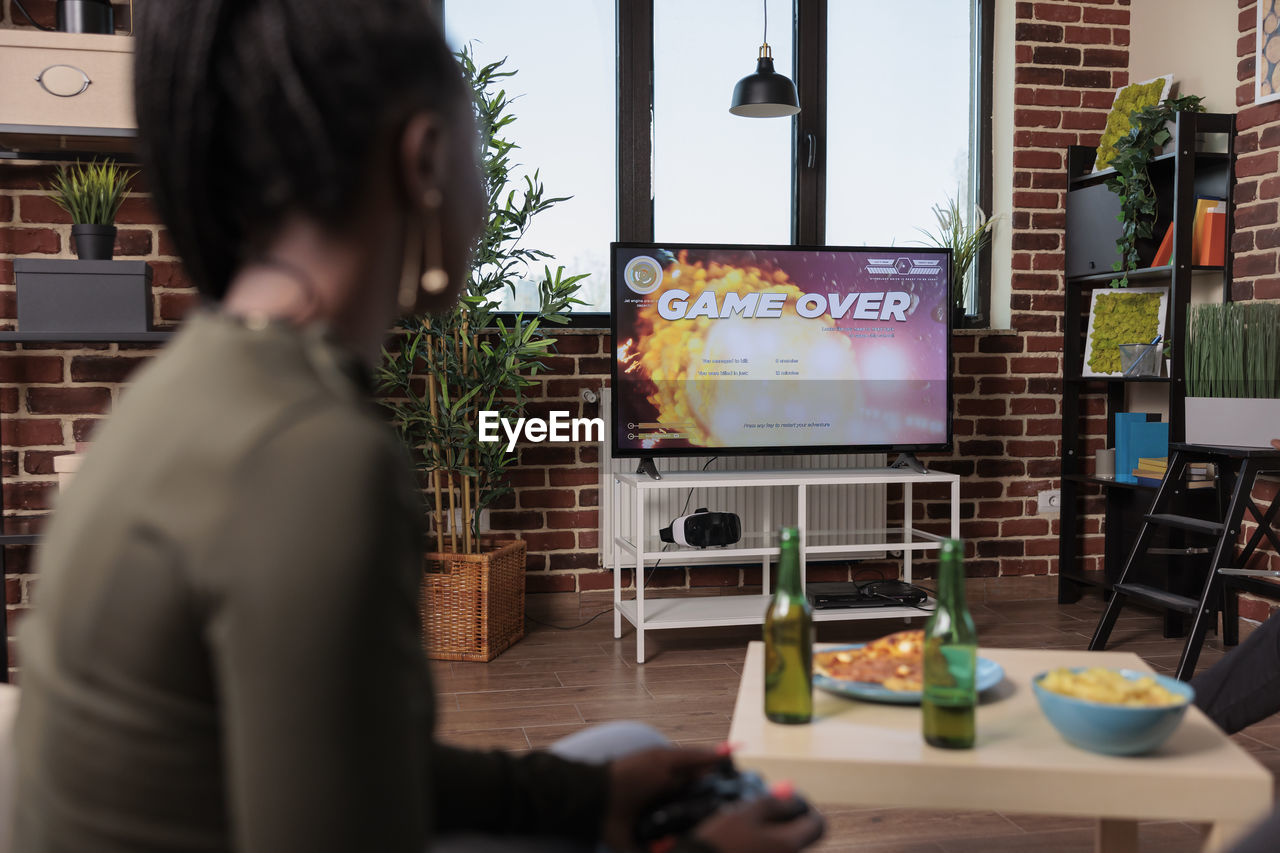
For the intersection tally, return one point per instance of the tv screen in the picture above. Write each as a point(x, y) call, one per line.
point(772, 349)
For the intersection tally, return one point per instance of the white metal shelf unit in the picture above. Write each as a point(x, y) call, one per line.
point(706, 611)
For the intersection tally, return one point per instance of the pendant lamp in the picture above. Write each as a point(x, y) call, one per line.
point(765, 94)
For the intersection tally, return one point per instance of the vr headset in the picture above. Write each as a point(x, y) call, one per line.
point(703, 529)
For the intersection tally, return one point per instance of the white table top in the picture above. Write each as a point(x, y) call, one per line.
point(873, 755)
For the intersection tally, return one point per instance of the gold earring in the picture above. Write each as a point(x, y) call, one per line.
point(434, 278)
point(409, 270)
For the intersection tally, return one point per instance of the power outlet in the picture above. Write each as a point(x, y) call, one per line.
point(1049, 502)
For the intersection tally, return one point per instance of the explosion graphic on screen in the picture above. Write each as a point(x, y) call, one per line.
point(706, 386)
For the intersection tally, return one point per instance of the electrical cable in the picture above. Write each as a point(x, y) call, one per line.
point(568, 627)
point(27, 15)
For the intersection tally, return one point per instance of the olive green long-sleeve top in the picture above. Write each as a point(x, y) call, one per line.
point(224, 651)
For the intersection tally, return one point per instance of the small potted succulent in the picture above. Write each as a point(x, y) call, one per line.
point(92, 193)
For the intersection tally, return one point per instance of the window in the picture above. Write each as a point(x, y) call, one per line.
point(564, 97)
point(635, 94)
point(717, 178)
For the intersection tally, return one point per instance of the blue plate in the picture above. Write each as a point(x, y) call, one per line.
point(989, 675)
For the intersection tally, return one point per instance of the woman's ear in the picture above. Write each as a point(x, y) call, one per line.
point(421, 158)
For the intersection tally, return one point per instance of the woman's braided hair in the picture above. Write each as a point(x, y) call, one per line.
point(249, 110)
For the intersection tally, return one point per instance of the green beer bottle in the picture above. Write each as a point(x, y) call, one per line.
point(788, 641)
point(950, 658)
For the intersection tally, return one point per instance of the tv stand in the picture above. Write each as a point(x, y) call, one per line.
point(647, 466)
point(909, 462)
point(643, 548)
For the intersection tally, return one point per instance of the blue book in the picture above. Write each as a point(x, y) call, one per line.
point(1147, 438)
point(1124, 422)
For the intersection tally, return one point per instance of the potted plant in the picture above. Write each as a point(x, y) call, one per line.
point(1233, 374)
point(92, 193)
point(1132, 182)
point(966, 239)
point(448, 368)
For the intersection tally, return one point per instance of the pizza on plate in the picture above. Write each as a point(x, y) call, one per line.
point(895, 661)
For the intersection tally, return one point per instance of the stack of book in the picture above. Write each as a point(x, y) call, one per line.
point(1138, 435)
point(1151, 470)
point(1200, 475)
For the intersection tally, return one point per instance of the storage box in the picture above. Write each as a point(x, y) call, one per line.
point(83, 296)
point(64, 81)
point(473, 604)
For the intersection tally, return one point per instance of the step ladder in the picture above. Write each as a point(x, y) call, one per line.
point(1238, 469)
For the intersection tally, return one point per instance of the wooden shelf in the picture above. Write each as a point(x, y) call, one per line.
point(1092, 178)
point(1149, 276)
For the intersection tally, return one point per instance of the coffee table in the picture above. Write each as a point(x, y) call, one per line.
point(859, 753)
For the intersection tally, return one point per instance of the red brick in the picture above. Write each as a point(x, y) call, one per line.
point(988, 406)
point(588, 344)
point(547, 499)
point(1034, 365)
point(1256, 116)
point(132, 242)
point(174, 307)
point(165, 245)
point(1264, 163)
point(995, 385)
point(1042, 139)
point(573, 520)
point(1268, 238)
point(574, 476)
point(549, 583)
point(1257, 264)
point(1036, 118)
point(1036, 241)
point(1061, 12)
point(1088, 79)
point(1120, 37)
point(41, 209)
point(1087, 35)
point(68, 401)
point(1056, 55)
point(32, 432)
point(26, 369)
point(560, 561)
point(1037, 160)
point(1000, 344)
point(983, 365)
point(137, 210)
point(82, 429)
point(6, 208)
point(998, 426)
point(594, 366)
point(1100, 58)
point(1265, 288)
point(28, 495)
point(1043, 200)
point(996, 468)
point(1037, 33)
point(524, 520)
point(589, 539)
point(104, 368)
point(1093, 15)
point(1038, 75)
point(1084, 121)
point(1252, 215)
point(30, 241)
point(594, 581)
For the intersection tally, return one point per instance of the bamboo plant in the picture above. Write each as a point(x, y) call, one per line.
point(1233, 350)
point(92, 192)
point(448, 368)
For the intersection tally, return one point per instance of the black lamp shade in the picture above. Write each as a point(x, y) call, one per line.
point(765, 94)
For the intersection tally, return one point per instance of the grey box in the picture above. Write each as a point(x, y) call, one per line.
point(83, 296)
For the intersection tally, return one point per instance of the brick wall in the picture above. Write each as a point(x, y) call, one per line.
point(1256, 242)
point(1069, 58)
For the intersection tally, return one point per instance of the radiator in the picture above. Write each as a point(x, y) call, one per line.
point(830, 507)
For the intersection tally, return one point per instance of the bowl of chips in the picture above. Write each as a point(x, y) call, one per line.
point(1112, 711)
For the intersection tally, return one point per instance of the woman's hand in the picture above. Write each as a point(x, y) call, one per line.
point(766, 825)
point(639, 779)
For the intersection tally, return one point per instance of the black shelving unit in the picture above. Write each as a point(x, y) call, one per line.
point(19, 536)
point(1180, 175)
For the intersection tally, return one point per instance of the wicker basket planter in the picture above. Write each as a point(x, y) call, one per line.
point(473, 604)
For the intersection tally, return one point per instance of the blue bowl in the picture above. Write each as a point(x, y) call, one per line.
point(1114, 729)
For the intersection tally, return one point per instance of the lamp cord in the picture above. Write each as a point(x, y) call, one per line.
point(27, 15)
point(766, 21)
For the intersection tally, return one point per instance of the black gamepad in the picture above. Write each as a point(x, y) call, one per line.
point(722, 786)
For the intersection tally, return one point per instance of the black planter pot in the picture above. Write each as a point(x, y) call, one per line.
point(86, 16)
point(94, 242)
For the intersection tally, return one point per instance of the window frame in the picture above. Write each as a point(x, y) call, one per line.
point(635, 46)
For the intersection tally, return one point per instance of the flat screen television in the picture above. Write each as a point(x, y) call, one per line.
point(722, 349)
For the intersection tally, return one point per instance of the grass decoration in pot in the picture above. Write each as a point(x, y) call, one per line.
point(1233, 373)
point(966, 239)
point(92, 193)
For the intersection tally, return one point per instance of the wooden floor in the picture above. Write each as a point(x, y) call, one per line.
point(555, 682)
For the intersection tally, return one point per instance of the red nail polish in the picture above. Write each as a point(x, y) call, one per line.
point(783, 790)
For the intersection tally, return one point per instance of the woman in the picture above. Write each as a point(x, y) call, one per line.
point(224, 655)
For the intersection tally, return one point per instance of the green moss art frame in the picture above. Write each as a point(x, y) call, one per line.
point(1128, 317)
point(1129, 100)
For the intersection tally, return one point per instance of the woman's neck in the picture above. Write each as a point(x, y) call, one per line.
point(310, 277)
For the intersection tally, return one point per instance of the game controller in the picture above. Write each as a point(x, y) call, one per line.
point(723, 786)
